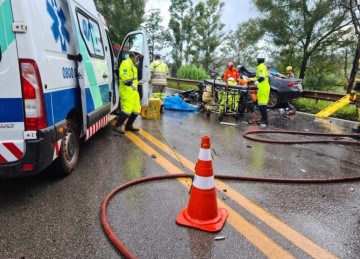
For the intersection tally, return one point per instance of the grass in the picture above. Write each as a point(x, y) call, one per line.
point(313, 106)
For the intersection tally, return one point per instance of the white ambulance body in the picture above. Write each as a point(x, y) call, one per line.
point(57, 81)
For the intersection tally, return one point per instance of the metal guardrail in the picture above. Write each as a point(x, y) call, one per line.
point(318, 95)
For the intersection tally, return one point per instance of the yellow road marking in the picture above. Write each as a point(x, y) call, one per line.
point(260, 240)
point(298, 239)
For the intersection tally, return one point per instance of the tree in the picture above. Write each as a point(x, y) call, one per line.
point(240, 46)
point(155, 31)
point(303, 26)
point(354, 9)
point(122, 16)
point(180, 30)
point(208, 34)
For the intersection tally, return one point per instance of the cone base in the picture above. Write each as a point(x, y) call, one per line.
point(213, 225)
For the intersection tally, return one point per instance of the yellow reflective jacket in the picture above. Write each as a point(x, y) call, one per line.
point(128, 71)
point(159, 72)
point(264, 86)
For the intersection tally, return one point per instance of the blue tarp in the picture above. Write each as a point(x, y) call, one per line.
point(176, 103)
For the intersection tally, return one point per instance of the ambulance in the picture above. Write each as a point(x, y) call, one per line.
point(58, 81)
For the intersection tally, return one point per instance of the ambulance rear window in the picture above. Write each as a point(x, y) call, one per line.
point(90, 33)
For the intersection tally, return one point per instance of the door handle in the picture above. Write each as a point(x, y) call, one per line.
point(105, 75)
point(77, 57)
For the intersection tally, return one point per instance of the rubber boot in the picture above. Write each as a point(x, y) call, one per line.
point(264, 115)
point(130, 123)
point(120, 123)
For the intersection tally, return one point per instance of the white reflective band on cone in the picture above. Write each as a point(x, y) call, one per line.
point(205, 154)
point(204, 183)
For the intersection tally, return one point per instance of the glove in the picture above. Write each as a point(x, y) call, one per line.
point(134, 87)
point(256, 83)
point(128, 82)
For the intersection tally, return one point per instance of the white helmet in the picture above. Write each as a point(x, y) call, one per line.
point(260, 56)
point(135, 50)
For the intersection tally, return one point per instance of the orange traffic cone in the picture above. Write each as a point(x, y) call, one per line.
point(202, 211)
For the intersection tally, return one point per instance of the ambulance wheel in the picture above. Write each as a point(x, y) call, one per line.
point(69, 150)
point(208, 114)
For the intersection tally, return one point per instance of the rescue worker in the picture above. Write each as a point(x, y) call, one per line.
point(231, 71)
point(355, 97)
point(159, 73)
point(262, 82)
point(129, 95)
point(231, 77)
point(289, 72)
point(213, 72)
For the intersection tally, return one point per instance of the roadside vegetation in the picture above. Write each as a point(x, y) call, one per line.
point(313, 106)
point(320, 39)
point(191, 72)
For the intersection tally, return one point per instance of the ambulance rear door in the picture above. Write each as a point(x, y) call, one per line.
point(12, 126)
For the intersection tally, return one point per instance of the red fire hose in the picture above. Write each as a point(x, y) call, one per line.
point(123, 250)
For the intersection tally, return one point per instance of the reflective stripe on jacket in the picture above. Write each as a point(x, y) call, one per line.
point(264, 86)
point(159, 72)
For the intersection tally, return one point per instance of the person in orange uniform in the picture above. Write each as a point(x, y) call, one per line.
point(231, 71)
point(231, 77)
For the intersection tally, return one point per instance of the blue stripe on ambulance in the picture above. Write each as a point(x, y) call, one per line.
point(89, 101)
point(59, 103)
point(11, 110)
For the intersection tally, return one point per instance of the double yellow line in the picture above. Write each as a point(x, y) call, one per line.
point(259, 239)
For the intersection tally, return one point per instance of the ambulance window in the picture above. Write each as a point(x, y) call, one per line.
point(90, 33)
point(96, 38)
point(134, 40)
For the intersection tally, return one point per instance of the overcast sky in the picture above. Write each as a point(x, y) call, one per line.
point(235, 11)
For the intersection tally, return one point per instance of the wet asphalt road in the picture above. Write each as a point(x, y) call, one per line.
point(51, 217)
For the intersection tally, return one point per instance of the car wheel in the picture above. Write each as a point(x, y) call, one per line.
point(69, 150)
point(274, 100)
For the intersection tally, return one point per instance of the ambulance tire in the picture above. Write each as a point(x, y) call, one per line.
point(69, 151)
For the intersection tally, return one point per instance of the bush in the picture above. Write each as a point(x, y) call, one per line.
point(191, 72)
point(324, 83)
point(312, 106)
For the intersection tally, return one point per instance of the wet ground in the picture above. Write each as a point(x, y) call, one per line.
point(50, 217)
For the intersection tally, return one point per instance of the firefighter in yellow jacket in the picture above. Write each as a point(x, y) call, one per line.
point(355, 97)
point(262, 82)
point(129, 95)
point(159, 73)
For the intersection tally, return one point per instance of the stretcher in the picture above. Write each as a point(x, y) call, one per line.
point(226, 99)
